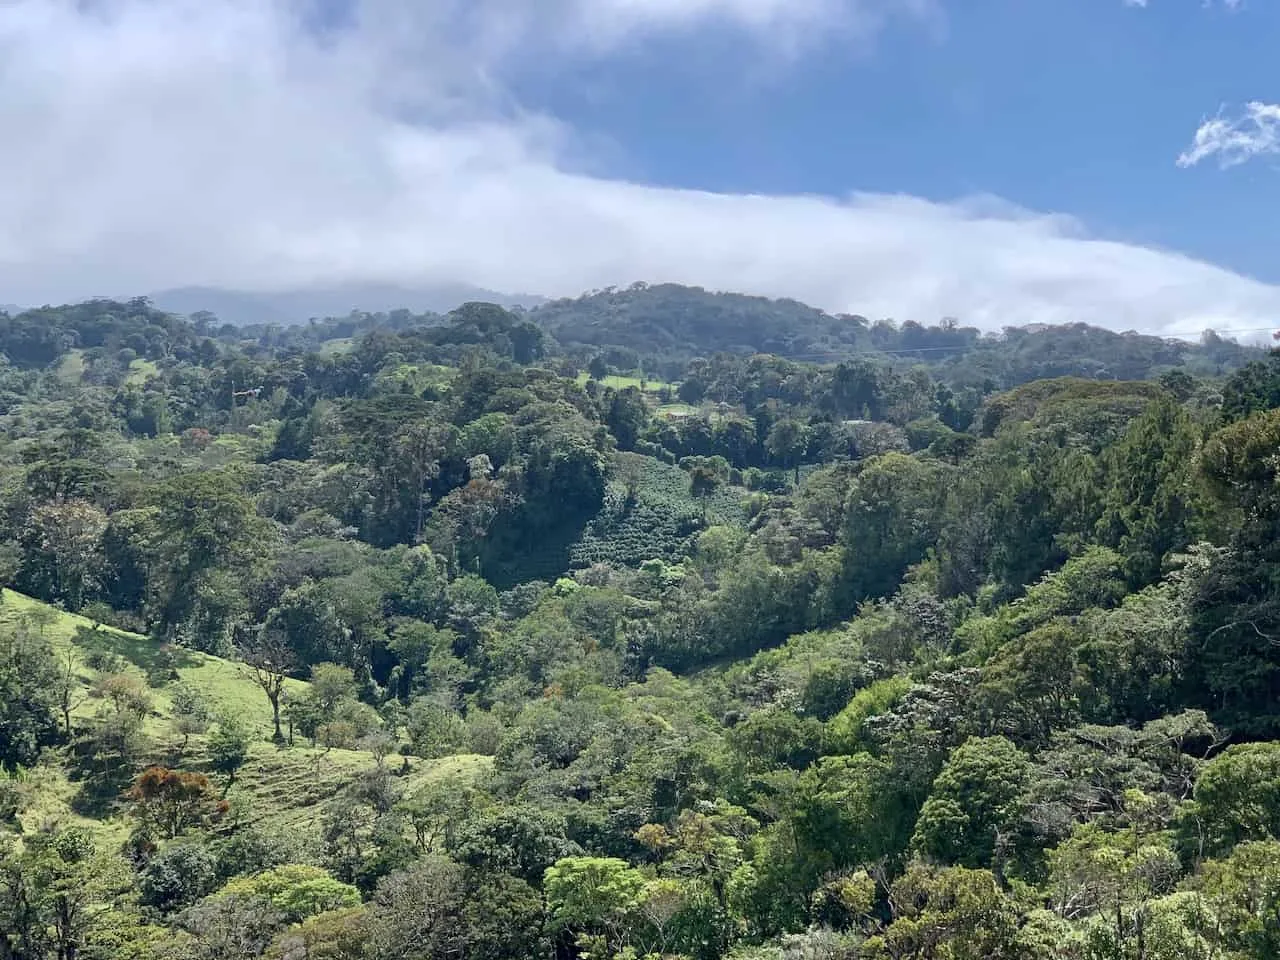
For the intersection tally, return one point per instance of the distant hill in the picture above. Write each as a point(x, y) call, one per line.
point(676, 323)
point(672, 320)
point(10, 308)
point(1023, 354)
point(246, 308)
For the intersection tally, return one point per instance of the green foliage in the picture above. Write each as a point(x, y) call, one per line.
point(1148, 512)
point(177, 876)
point(28, 672)
point(975, 802)
point(845, 732)
point(849, 809)
point(1237, 797)
point(955, 912)
point(228, 745)
point(594, 897)
point(954, 680)
point(297, 891)
point(55, 890)
point(1243, 893)
point(893, 514)
point(658, 521)
point(1252, 389)
point(434, 909)
point(434, 730)
point(520, 839)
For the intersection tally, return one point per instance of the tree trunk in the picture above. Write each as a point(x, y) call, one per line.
point(278, 736)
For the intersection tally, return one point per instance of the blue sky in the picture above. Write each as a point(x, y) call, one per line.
point(1077, 106)
point(1002, 161)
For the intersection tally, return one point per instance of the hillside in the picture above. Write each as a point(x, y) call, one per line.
point(666, 322)
point(740, 658)
point(274, 790)
point(675, 321)
point(226, 684)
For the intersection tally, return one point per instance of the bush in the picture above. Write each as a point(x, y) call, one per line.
point(923, 433)
point(336, 733)
point(433, 730)
point(104, 661)
point(177, 877)
point(360, 717)
point(254, 848)
point(297, 891)
point(228, 747)
point(12, 799)
point(484, 732)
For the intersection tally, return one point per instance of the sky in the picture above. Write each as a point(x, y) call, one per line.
point(997, 161)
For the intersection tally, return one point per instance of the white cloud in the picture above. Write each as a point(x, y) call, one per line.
point(609, 21)
point(1228, 4)
point(1236, 140)
point(156, 143)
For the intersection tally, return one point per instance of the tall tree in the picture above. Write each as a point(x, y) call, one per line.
point(270, 660)
point(787, 441)
point(203, 521)
point(28, 681)
point(62, 544)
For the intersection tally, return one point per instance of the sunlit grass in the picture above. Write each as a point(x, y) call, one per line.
point(140, 370)
point(620, 382)
point(71, 367)
point(279, 787)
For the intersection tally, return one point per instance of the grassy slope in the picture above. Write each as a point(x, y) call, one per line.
point(140, 370)
point(226, 685)
point(277, 787)
point(71, 369)
point(71, 366)
point(333, 347)
point(618, 382)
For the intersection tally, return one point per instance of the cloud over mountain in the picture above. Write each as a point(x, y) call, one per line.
point(270, 145)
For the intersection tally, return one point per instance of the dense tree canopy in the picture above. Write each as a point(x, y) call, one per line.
point(656, 623)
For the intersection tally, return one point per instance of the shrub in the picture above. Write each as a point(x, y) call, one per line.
point(177, 877)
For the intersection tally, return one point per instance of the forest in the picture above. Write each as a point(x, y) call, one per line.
point(656, 624)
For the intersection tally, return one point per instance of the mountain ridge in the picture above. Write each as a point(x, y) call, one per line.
point(298, 305)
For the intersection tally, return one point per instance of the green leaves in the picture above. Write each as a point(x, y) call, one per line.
point(228, 745)
point(28, 681)
point(975, 804)
point(1237, 797)
point(297, 891)
point(599, 896)
point(1242, 893)
point(892, 517)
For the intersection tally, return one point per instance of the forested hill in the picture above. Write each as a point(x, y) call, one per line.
point(420, 637)
point(667, 321)
point(660, 328)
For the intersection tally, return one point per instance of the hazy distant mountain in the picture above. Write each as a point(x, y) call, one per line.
point(10, 308)
point(298, 306)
